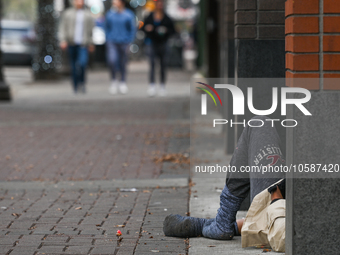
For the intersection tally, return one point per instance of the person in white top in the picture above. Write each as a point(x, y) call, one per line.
point(76, 36)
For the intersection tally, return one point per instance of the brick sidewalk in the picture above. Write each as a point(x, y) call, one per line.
point(79, 144)
point(82, 220)
point(49, 136)
point(90, 139)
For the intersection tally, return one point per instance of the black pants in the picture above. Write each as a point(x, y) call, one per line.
point(159, 52)
point(256, 147)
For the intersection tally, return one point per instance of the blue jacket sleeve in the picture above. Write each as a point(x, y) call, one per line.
point(133, 28)
point(107, 25)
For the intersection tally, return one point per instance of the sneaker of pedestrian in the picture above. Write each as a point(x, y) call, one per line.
point(82, 88)
point(152, 90)
point(113, 87)
point(123, 89)
point(162, 91)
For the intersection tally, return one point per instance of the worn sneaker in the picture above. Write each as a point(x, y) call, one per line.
point(113, 87)
point(162, 91)
point(123, 89)
point(82, 88)
point(152, 90)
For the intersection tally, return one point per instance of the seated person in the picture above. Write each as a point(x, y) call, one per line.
point(265, 221)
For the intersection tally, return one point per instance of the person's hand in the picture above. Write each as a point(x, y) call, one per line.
point(91, 48)
point(149, 28)
point(63, 45)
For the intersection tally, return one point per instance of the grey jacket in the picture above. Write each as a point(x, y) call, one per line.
point(67, 27)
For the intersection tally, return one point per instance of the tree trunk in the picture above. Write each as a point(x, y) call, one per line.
point(47, 58)
point(5, 94)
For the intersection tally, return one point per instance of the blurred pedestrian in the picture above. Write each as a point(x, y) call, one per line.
point(158, 27)
point(76, 36)
point(120, 29)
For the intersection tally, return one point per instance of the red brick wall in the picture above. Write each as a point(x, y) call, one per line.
point(312, 30)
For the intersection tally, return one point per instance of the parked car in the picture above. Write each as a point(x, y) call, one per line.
point(17, 42)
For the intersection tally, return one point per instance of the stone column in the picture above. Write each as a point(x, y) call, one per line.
point(259, 53)
point(312, 62)
point(260, 45)
point(5, 94)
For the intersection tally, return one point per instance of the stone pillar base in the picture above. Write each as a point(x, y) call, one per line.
point(5, 92)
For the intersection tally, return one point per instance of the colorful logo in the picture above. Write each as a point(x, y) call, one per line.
point(204, 97)
point(207, 91)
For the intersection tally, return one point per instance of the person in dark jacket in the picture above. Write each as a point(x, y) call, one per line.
point(158, 27)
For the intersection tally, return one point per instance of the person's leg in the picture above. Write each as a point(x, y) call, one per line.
point(224, 226)
point(122, 62)
point(257, 146)
point(82, 60)
point(111, 57)
point(151, 54)
point(72, 52)
point(161, 53)
point(162, 61)
point(236, 189)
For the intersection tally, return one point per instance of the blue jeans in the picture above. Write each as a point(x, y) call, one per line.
point(78, 57)
point(116, 55)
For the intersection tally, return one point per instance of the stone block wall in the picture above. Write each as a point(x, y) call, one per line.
point(262, 19)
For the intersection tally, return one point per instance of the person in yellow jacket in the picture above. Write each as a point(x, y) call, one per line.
point(258, 149)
